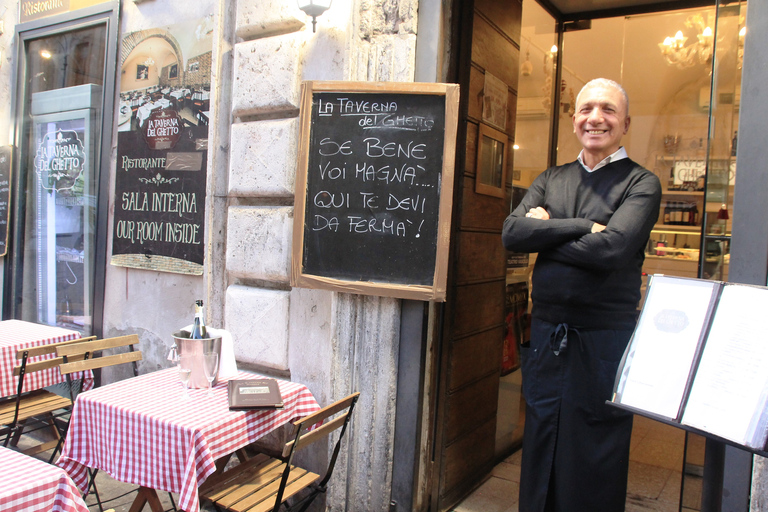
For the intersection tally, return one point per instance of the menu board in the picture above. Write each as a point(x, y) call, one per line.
point(5, 196)
point(374, 188)
point(160, 203)
point(697, 360)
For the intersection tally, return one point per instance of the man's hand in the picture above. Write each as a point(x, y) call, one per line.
point(538, 213)
point(596, 228)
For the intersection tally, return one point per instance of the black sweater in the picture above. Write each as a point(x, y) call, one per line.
point(587, 280)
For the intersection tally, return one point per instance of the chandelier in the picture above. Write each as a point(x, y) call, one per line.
point(149, 62)
point(740, 47)
point(678, 54)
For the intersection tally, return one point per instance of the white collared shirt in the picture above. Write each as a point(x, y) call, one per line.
point(618, 155)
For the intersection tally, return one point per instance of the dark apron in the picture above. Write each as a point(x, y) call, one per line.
point(575, 447)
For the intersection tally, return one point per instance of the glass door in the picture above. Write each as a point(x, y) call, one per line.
point(531, 150)
point(62, 95)
point(714, 253)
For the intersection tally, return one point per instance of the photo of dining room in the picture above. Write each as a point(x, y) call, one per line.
point(166, 68)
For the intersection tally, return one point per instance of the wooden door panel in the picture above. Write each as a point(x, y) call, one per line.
point(480, 211)
point(482, 257)
point(473, 356)
point(471, 406)
point(475, 100)
point(466, 459)
point(507, 15)
point(474, 326)
point(470, 159)
point(494, 52)
point(478, 306)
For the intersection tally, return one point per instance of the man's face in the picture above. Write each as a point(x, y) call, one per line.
point(601, 120)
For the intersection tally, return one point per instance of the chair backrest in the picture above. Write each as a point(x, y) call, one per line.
point(25, 354)
point(323, 427)
point(80, 356)
point(25, 367)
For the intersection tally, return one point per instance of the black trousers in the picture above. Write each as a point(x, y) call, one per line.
point(575, 446)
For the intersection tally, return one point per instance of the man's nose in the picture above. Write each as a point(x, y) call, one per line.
point(596, 115)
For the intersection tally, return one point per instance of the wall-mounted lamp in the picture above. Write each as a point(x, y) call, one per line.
point(314, 8)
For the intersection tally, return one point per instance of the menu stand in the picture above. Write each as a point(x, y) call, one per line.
point(696, 361)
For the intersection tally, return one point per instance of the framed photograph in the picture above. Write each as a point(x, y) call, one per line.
point(491, 161)
point(194, 66)
point(142, 72)
point(173, 72)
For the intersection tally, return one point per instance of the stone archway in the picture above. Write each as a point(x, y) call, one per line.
point(131, 41)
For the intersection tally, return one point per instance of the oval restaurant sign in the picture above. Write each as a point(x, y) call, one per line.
point(163, 129)
point(60, 160)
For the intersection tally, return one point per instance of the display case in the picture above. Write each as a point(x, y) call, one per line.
point(63, 205)
point(691, 236)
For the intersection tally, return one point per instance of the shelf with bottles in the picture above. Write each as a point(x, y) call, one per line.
point(676, 213)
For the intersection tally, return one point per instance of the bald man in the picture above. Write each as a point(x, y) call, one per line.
point(589, 222)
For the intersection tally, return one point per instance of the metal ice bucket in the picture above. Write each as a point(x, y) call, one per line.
point(195, 348)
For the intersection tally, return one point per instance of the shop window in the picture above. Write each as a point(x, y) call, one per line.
point(56, 269)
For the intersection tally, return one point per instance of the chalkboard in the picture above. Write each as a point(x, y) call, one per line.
point(5, 196)
point(374, 188)
point(159, 216)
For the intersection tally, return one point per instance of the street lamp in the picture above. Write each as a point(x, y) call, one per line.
point(314, 8)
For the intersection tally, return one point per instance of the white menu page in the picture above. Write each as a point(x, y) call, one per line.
point(660, 355)
point(728, 396)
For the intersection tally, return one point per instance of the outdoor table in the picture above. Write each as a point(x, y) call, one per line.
point(142, 432)
point(32, 485)
point(18, 334)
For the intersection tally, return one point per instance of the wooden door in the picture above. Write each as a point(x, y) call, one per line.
point(473, 327)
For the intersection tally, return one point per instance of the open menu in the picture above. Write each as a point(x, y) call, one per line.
point(698, 357)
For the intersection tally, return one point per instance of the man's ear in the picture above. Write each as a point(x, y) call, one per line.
point(626, 124)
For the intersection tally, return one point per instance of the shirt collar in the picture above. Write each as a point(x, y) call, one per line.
point(618, 155)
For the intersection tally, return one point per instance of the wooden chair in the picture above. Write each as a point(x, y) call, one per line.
point(264, 484)
point(87, 356)
point(82, 356)
point(18, 412)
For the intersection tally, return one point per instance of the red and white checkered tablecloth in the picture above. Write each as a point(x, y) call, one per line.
point(18, 334)
point(32, 485)
point(141, 432)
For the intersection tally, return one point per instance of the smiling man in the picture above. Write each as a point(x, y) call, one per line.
point(589, 222)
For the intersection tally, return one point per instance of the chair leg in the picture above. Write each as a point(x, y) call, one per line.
point(56, 450)
point(8, 436)
point(17, 431)
point(92, 484)
point(173, 504)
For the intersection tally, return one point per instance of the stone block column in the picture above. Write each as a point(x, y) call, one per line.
point(334, 343)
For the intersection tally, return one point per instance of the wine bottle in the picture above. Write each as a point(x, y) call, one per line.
point(679, 212)
point(198, 329)
point(667, 217)
point(686, 214)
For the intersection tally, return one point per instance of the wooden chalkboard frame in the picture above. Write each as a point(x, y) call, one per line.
point(302, 279)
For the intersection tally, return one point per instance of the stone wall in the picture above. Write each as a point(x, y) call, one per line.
point(334, 343)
